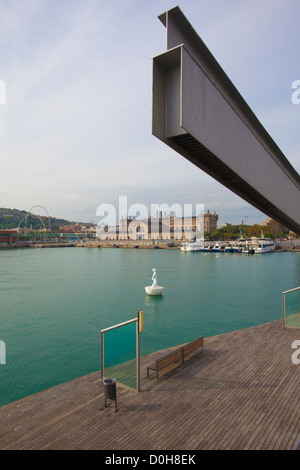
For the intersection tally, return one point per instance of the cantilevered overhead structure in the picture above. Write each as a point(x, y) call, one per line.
point(199, 113)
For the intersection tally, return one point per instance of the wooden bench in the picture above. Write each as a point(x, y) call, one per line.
point(176, 358)
point(192, 348)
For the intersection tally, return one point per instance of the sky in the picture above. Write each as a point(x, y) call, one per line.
point(75, 128)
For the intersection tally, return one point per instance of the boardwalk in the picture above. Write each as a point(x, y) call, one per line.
point(241, 392)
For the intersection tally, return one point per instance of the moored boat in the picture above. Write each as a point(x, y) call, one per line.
point(196, 245)
point(248, 249)
point(259, 245)
point(218, 247)
point(239, 245)
point(263, 245)
point(207, 247)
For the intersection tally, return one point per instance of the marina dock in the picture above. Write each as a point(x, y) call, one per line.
point(242, 392)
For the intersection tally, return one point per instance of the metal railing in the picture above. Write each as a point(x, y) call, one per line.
point(139, 329)
point(284, 308)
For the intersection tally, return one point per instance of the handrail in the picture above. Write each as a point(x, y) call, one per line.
point(291, 290)
point(119, 324)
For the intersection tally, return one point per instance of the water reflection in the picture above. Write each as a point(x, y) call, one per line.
point(153, 302)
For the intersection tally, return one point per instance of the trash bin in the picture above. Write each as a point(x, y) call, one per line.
point(110, 390)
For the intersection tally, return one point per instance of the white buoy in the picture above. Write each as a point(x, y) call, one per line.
point(154, 289)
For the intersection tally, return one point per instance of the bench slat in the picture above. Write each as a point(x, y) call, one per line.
point(167, 360)
point(193, 346)
point(176, 357)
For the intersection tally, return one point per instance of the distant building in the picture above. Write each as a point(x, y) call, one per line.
point(159, 227)
point(73, 228)
point(266, 221)
point(8, 237)
point(210, 221)
point(78, 228)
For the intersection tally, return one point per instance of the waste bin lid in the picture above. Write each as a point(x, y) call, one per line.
point(109, 381)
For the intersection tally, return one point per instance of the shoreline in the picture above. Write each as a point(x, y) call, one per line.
point(129, 244)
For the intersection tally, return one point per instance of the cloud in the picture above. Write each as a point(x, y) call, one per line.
point(76, 129)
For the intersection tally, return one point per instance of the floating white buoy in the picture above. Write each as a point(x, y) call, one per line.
point(154, 289)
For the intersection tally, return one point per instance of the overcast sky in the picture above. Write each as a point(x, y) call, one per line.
point(75, 131)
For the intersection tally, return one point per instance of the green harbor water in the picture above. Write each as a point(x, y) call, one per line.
point(55, 301)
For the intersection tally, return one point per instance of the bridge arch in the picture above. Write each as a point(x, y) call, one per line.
point(35, 215)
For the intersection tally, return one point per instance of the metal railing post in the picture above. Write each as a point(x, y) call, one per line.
point(283, 303)
point(137, 355)
point(102, 354)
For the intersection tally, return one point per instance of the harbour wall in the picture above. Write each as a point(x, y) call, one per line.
point(149, 244)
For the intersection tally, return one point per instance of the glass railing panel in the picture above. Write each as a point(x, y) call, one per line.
point(120, 360)
point(291, 308)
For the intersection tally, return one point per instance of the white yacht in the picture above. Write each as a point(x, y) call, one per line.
point(239, 244)
point(259, 245)
point(248, 249)
point(262, 245)
point(196, 245)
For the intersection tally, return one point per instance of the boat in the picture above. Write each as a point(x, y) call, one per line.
point(218, 247)
point(262, 245)
point(196, 245)
point(259, 245)
point(207, 247)
point(248, 249)
point(239, 244)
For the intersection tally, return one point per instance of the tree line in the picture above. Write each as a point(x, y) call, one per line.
point(11, 218)
point(230, 232)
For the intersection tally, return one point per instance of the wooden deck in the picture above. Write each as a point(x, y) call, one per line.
point(241, 392)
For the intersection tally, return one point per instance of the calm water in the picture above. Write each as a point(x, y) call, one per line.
point(54, 302)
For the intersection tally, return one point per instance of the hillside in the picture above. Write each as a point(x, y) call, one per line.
point(11, 218)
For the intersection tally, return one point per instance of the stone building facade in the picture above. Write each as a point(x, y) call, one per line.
point(160, 228)
point(210, 221)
